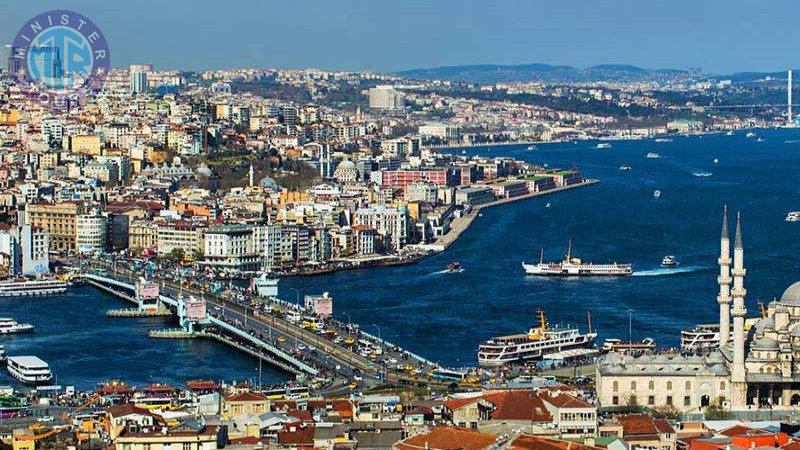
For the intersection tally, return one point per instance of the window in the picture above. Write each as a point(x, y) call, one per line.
point(721, 385)
point(669, 385)
point(473, 424)
point(616, 386)
point(615, 400)
point(651, 385)
point(688, 385)
point(633, 385)
point(687, 401)
point(669, 400)
point(651, 400)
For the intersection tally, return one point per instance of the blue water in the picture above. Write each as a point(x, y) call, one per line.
point(84, 347)
point(445, 316)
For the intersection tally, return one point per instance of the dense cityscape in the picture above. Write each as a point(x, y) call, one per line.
point(201, 204)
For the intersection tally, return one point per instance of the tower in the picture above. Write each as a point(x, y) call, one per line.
point(252, 174)
point(789, 97)
point(724, 281)
point(738, 383)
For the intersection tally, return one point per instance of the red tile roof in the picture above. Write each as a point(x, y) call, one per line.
point(448, 438)
point(565, 401)
point(641, 424)
point(519, 405)
point(528, 442)
point(246, 397)
point(296, 435)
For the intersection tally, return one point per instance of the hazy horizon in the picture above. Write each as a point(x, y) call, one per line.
point(719, 37)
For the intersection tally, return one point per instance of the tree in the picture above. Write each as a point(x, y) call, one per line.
point(176, 254)
point(714, 411)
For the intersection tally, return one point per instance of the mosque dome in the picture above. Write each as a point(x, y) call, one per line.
point(791, 296)
point(346, 172)
point(795, 331)
point(765, 323)
point(204, 170)
point(269, 183)
point(766, 344)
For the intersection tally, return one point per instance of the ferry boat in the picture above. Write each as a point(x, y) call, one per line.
point(729, 133)
point(531, 147)
point(533, 345)
point(663, 140)
point(574, 267)
point(704, 338)
point(11, 326)
point(625, 167)
point(793, 216)
point(633, 347)
point(750, 134)
point(29, 370)
point(454, 266)
point(604, 145)
point(653, 155)
point(32, 287)
point(669, 261)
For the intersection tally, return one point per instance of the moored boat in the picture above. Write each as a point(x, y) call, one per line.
point(29, 370)
point(629, 347)
point(604, 145)
point(32, 287)
point(536, 344)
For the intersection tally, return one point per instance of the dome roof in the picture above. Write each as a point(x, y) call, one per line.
point(763, 324)
point(268, 183)
point(346, 165)
point(766, 344)
point(795, 331)
point(791, 296)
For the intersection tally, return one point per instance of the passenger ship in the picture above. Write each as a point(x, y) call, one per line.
point(29, 370)
point(704, 338)
point(11, 326)
point(574, 267)
point(32, 287)
point(538, 342)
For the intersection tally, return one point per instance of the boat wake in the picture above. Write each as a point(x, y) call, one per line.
point(445, 271)
point(702, 174)
point(667, 271)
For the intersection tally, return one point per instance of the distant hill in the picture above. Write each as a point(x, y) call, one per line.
point(496, 73)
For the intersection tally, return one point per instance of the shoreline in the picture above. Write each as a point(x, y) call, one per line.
point(457, 227)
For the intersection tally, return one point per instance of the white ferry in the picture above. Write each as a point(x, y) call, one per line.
point(633, 347)
point(704, 338)
point(604, 145)
point(574, 267)
point(32, 287)
point(793, 216)
point(660, 140)
point(653, 155)
point(11, 326)
point(29, 370)
point(534, 345)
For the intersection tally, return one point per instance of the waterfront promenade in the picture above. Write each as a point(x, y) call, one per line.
point(461, 224)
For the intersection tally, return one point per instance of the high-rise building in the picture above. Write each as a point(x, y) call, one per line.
point(138, 77)
point(386, 97)
point(5, 56)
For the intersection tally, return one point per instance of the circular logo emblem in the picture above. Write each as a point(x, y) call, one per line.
point(58, 58)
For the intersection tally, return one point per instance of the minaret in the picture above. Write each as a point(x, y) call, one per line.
point(738, 384)
point(724, 281)
point(252, 174)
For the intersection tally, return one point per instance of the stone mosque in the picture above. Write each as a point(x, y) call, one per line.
point(754, 367)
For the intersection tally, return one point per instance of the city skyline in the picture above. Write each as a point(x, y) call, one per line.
point(357, 36)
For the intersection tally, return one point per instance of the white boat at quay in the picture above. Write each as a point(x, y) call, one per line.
point(29, 370)
point(32, 287)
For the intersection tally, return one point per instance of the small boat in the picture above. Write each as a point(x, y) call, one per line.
point(759, 140)
point(663, 140)
point(454, 266)
point(729, 133)
point(750, 134)
point(702, 174)
point(669, 261)
point(657, 193)
point(793, 216)
point(531, 147)
point(625, 167)
point(11, 326)
point(547, 205)
point(603, 145)
point(653, 155)
point(463, 152)
point(716, 160)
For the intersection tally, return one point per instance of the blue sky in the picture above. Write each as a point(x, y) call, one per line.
point(717, 36)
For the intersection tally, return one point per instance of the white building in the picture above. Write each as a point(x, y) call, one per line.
point(386, 97)
point(391, 223)
point(90, 233)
